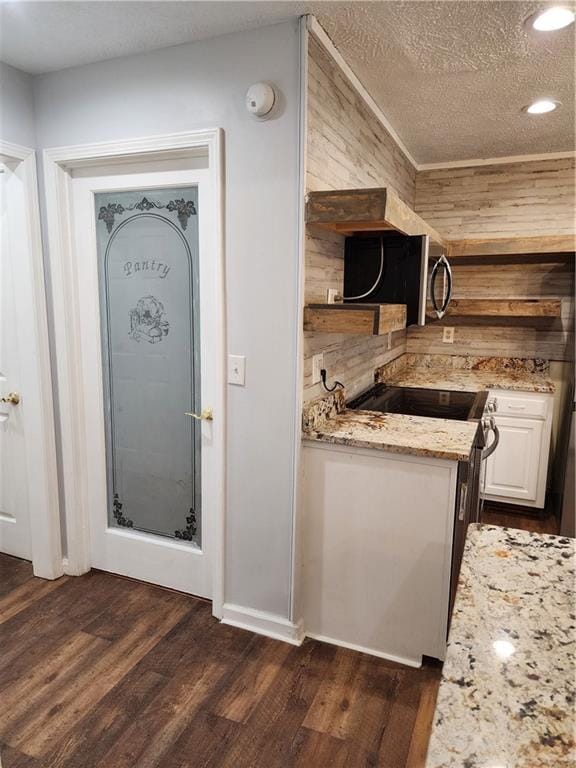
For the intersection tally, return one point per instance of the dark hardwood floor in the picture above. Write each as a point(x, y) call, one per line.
point(512, 516)
point(100, 671)
point(103, 671)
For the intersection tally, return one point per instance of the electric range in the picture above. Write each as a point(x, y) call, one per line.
point(413, 401)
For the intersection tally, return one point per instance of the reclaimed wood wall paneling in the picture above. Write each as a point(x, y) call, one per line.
point(549, 338)
point(347, 149)
point(523, 199)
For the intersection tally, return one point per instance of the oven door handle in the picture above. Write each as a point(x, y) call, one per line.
point(494, 444)
point(445, 264)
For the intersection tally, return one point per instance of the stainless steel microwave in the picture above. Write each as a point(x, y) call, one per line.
point(392, 268)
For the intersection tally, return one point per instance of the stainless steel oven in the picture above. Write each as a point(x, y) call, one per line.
point(468, 502)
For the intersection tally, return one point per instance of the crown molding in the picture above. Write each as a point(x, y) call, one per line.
point(495, 161)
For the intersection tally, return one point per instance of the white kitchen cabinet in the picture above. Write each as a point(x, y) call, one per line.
point(377, 534)
point(516, 472)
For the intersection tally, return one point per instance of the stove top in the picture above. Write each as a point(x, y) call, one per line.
point(432, 403)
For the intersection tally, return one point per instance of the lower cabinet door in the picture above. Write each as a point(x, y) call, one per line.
point(513, 469)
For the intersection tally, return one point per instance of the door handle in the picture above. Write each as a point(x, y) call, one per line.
point(204, 415)
point(12, 397)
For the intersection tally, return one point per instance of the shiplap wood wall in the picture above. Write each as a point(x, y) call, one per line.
point(509, 200)
point(523, 199)
point(347, 148)
point(510, 277)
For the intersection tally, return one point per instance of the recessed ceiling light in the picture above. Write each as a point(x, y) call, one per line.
point(552, 18)
point(541, 106)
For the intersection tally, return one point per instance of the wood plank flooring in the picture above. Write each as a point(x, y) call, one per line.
point(511, 516)
point(102, 672)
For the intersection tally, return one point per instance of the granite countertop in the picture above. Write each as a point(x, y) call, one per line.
point(507, 694)
point(471, 381)
point(327, 419)
point(467, 374)
point(397, 433)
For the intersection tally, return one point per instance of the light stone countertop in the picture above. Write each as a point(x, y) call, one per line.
point(398, 433)
point(507, 696)
point(470, 381)
point(467, 374)
point(327, 419)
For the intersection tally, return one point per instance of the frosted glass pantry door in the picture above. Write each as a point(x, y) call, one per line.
point(149, 323)
point(148, 255)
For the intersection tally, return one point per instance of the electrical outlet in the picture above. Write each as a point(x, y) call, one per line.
point(448, 335)
point(332, 293)
point(317, 365)
point(237, 370)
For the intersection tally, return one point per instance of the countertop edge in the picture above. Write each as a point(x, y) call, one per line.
point(319, 437)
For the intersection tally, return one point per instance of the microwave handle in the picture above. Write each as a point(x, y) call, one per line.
point(445, 264)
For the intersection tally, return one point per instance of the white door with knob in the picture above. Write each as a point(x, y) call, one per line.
point(14, 516)
point(29, 526)
point(150, 306)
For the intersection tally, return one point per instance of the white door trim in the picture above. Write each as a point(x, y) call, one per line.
point(44, 510)
point(58, 163)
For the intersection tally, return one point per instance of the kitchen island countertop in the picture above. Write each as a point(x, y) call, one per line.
point(507, 694)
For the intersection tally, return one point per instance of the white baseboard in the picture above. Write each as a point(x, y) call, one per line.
point(263, 623)
point(416, 663)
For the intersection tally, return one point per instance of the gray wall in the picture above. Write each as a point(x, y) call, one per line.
point(16, 107)
point(196, 86)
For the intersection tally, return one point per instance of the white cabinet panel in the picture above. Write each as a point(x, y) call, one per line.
point(513, 470)
point(516, 472)
point(377, 546)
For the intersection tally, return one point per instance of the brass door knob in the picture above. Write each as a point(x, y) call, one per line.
point(205, 415)
point(11, 397)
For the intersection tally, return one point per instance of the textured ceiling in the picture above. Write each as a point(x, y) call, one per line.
point(451, 76)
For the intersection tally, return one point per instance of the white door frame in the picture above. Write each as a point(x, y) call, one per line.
point(58, 164)
point(38, 416)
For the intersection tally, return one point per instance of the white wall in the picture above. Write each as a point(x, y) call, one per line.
point(16, 107)
point(202, 85)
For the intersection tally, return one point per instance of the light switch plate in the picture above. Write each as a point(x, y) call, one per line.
point(448, 335)
point(317, 365)
point(237, 370)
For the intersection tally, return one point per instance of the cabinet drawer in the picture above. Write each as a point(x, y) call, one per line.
point(521, 405)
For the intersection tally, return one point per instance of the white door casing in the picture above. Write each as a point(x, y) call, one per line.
point(73, 176)
point(29, 505)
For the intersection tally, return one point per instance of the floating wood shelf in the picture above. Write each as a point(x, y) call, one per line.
point(365, 210)
point(510, 246)
point(367, 319)
point(505, 308)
